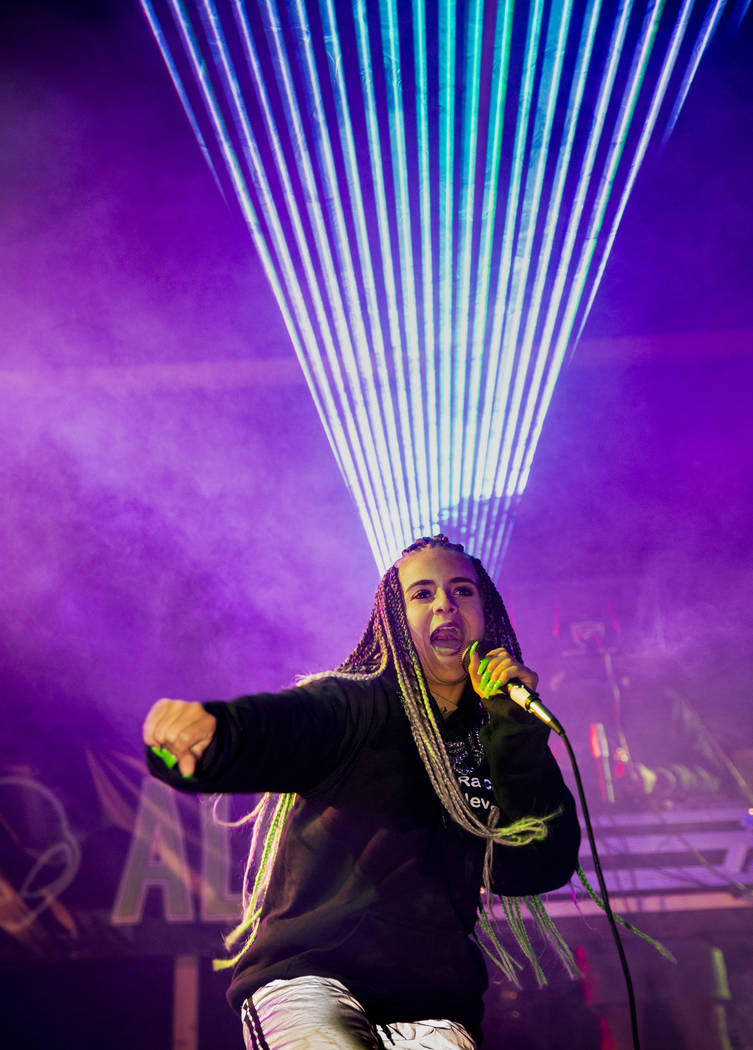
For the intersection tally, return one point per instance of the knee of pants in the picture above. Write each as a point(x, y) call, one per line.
point(307, 1013)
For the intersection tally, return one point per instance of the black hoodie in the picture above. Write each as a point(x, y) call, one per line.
point(374, 884)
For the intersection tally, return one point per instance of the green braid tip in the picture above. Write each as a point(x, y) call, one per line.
point(660, 948)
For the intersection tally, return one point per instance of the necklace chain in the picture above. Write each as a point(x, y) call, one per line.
point(445, 705)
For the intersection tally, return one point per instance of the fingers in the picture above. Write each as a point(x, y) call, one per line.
point(182, 728)
point(494, 671)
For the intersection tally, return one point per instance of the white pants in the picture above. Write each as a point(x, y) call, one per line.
point(317, 1013)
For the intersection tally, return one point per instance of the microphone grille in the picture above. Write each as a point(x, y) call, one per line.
point(483, 647)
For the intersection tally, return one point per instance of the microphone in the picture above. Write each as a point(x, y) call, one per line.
point(515, 689)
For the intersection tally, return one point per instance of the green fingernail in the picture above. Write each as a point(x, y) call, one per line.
point(167, 757)
point(483, 665)
point(485, 679)
point(473, 648)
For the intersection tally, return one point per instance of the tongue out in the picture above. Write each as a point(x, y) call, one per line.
point(447, 640)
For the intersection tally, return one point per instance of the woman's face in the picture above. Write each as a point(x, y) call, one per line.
point(444, 611)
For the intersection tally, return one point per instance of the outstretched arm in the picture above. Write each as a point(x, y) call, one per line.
point(288, 741)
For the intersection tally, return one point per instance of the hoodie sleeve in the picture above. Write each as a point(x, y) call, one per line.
point(295, 740)
point(527, 782)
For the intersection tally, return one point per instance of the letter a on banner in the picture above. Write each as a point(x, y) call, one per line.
point(218, 902)
point(156, 858)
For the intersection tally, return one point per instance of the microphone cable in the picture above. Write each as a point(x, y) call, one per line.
point(529, 701)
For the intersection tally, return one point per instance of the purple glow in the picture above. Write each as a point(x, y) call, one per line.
point(172, 521)
point(168, 489)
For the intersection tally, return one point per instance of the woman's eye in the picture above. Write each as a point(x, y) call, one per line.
point(421, 595)
point(464, 592)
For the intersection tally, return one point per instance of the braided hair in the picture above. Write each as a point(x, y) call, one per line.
point(386, 643)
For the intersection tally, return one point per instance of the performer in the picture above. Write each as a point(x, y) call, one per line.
point(415, 783)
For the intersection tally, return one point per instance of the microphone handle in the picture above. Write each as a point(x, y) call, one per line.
point(516, 690)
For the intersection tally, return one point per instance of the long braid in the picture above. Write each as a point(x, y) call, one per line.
point(426, 732)
point(386, 642)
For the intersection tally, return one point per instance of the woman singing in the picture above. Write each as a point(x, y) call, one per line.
point(409, 792)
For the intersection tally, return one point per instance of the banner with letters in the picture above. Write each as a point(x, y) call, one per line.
point(131, 867)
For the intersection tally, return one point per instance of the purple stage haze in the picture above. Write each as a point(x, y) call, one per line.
point(173, 521)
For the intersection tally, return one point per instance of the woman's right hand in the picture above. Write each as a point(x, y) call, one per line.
point(181, 727)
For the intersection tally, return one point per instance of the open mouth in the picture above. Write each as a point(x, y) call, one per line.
point(447, 640)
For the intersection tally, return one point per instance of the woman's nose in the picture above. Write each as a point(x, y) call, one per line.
point(443, 600)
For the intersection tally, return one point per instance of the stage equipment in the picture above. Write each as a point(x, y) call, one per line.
point(433, 189)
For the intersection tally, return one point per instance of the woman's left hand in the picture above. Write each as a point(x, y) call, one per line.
point(490, 674)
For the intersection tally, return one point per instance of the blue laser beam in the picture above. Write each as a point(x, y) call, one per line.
point(434, 190)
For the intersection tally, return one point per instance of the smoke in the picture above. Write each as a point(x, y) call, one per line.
point(172, 520)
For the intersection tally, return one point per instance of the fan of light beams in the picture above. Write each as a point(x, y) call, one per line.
point(433, 187)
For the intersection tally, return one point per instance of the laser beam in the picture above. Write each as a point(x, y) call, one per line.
point(434, 189)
